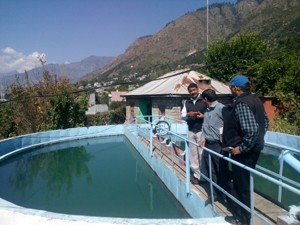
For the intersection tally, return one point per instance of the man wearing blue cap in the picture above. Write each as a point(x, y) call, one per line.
point(244, 130)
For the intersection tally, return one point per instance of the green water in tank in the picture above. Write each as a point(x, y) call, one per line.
point(102, 176)
point(271, 190)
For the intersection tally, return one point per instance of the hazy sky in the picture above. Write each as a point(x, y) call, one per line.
point(65, 31)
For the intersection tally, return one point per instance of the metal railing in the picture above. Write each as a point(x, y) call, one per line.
point(146, 129)
point(283, 151)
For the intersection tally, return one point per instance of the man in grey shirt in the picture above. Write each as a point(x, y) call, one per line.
point(211, 138)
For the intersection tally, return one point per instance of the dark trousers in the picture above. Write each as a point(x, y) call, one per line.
point(241, 181)
point(219, 168)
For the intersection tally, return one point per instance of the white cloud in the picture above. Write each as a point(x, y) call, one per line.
point(9, 50)
point(11, 60)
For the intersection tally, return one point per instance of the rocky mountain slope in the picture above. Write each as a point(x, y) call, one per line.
point(186, 35)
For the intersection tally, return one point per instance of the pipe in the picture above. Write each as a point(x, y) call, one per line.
point(290, 160)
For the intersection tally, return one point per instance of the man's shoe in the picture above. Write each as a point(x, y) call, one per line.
point(232, 220)
point(223, 199)
point(209, 201)
point(202, 181)
point(194, 180)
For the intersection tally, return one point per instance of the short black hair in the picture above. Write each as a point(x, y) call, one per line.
point(192, 85)
point(210, 95)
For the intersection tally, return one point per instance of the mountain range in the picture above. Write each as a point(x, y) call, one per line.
point(182, 41)
point(186, 36)
point(74, 71)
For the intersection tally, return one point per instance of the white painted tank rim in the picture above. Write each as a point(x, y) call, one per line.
point(14, 214)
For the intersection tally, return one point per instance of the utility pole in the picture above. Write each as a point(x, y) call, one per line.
point(207, 23)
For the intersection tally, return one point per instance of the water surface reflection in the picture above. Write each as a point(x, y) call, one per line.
point(97, 177)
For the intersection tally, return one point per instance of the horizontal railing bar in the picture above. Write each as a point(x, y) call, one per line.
point(278, 146)
point(290, 188)
point(279, 177)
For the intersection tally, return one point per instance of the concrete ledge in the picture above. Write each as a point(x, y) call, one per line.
point(287, 220)
point(15, 215)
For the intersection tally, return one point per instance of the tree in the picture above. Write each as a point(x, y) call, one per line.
point(104, 98)
point(48, 104)
point(277, 75)
point(7, 127)
point(224, 58)
point(273, 68)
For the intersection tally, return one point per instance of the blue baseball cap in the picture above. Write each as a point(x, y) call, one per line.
point(239, 81)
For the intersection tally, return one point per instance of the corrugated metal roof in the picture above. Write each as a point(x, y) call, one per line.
point(176, 83)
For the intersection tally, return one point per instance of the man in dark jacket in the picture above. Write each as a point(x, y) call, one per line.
point(192, 112)
point(244, 130)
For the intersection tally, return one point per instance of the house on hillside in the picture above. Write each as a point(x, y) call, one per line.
point(117, 96)
point(165, 95)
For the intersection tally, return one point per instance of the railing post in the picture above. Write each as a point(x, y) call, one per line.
point(187, 168)
point(252, 198)
point(280, 174)
point(210, 181)
point(151, 140)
